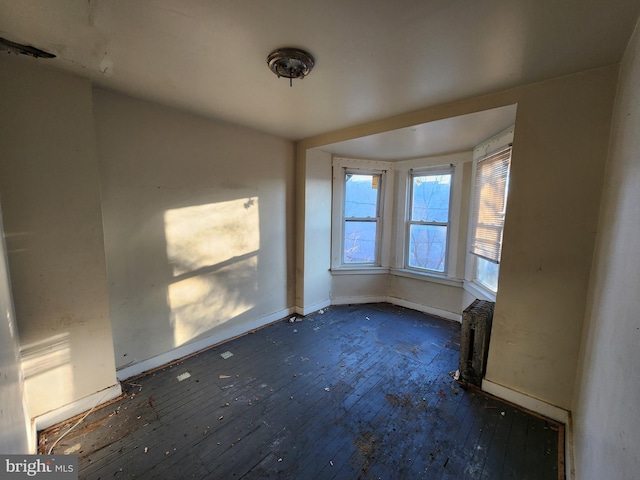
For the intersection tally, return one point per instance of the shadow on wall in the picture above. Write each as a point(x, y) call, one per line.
point(213, 252)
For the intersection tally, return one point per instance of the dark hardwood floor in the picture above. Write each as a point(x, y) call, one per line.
point(358, 392)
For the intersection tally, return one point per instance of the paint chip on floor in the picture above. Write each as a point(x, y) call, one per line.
point(226, 355)
point(183, 376)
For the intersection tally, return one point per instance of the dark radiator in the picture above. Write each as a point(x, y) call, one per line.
point(474, 341)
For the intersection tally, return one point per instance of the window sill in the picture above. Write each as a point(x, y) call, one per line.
point(426, 277)
point(479, 291)
point(359, 271)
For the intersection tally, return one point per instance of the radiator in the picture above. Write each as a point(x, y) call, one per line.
point(474, 341)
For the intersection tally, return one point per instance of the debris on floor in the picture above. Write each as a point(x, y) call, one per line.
point(327, 389)
point(224, 376)
point(226, 355)
point(292, 319)
point(183, 376)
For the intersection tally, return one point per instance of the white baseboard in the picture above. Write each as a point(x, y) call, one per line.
point(75, 408)
point(457, 317)
point(355, 300)
point(530, 403)
point(312, 308)
point(399, 302)
point(543, 408)
point(188, 349)
point(358, 300)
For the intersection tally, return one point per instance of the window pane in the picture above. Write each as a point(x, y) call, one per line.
point(361, 196)
point(359, 242)
point(427, 247)
point(487, 273)
point(430, 202)
point(489, 204)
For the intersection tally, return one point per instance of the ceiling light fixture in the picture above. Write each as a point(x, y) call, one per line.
point(290, 63)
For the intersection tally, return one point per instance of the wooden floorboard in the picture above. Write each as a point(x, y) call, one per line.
point(359, 392)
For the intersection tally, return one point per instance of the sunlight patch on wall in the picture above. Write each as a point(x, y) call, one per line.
point(201, 303)
point(213, 252)
point(47, 370)
point(203, 236)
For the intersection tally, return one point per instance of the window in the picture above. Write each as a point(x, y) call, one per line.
point(486, 274)
point(428, 220)
point(361, 218)
point(362, 202)
point(487, 215)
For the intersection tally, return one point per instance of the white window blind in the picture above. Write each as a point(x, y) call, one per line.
point(489, 204)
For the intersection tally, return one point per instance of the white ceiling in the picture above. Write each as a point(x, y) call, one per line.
point(450, 135)
point(374, 58)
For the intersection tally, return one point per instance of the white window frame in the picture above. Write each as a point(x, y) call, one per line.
point(427, 171)
point(494, 144)
point(455, 161)
point(342, 166)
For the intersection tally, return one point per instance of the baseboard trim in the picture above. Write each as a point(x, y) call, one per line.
point(456, 317)
point(75, 408)
point(312, 308)
point(191, 348)
point(357, 300)
point(543, 408)
point(530, 403)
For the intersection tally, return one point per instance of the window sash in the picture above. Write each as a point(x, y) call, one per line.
point(357, 219)
point(489, 204)
point(409, 263)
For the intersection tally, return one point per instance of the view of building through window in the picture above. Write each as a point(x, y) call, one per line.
point(429, 221)
point(361, 218)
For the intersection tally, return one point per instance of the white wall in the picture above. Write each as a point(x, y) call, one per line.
point(557, 167)
point(360, 288)
point(446, 298)
point(198, 220)
point(313, 230)
point(53, 226)
point(14, 420)
point(607, 393)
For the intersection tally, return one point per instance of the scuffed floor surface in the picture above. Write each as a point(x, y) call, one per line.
point(355, 392)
